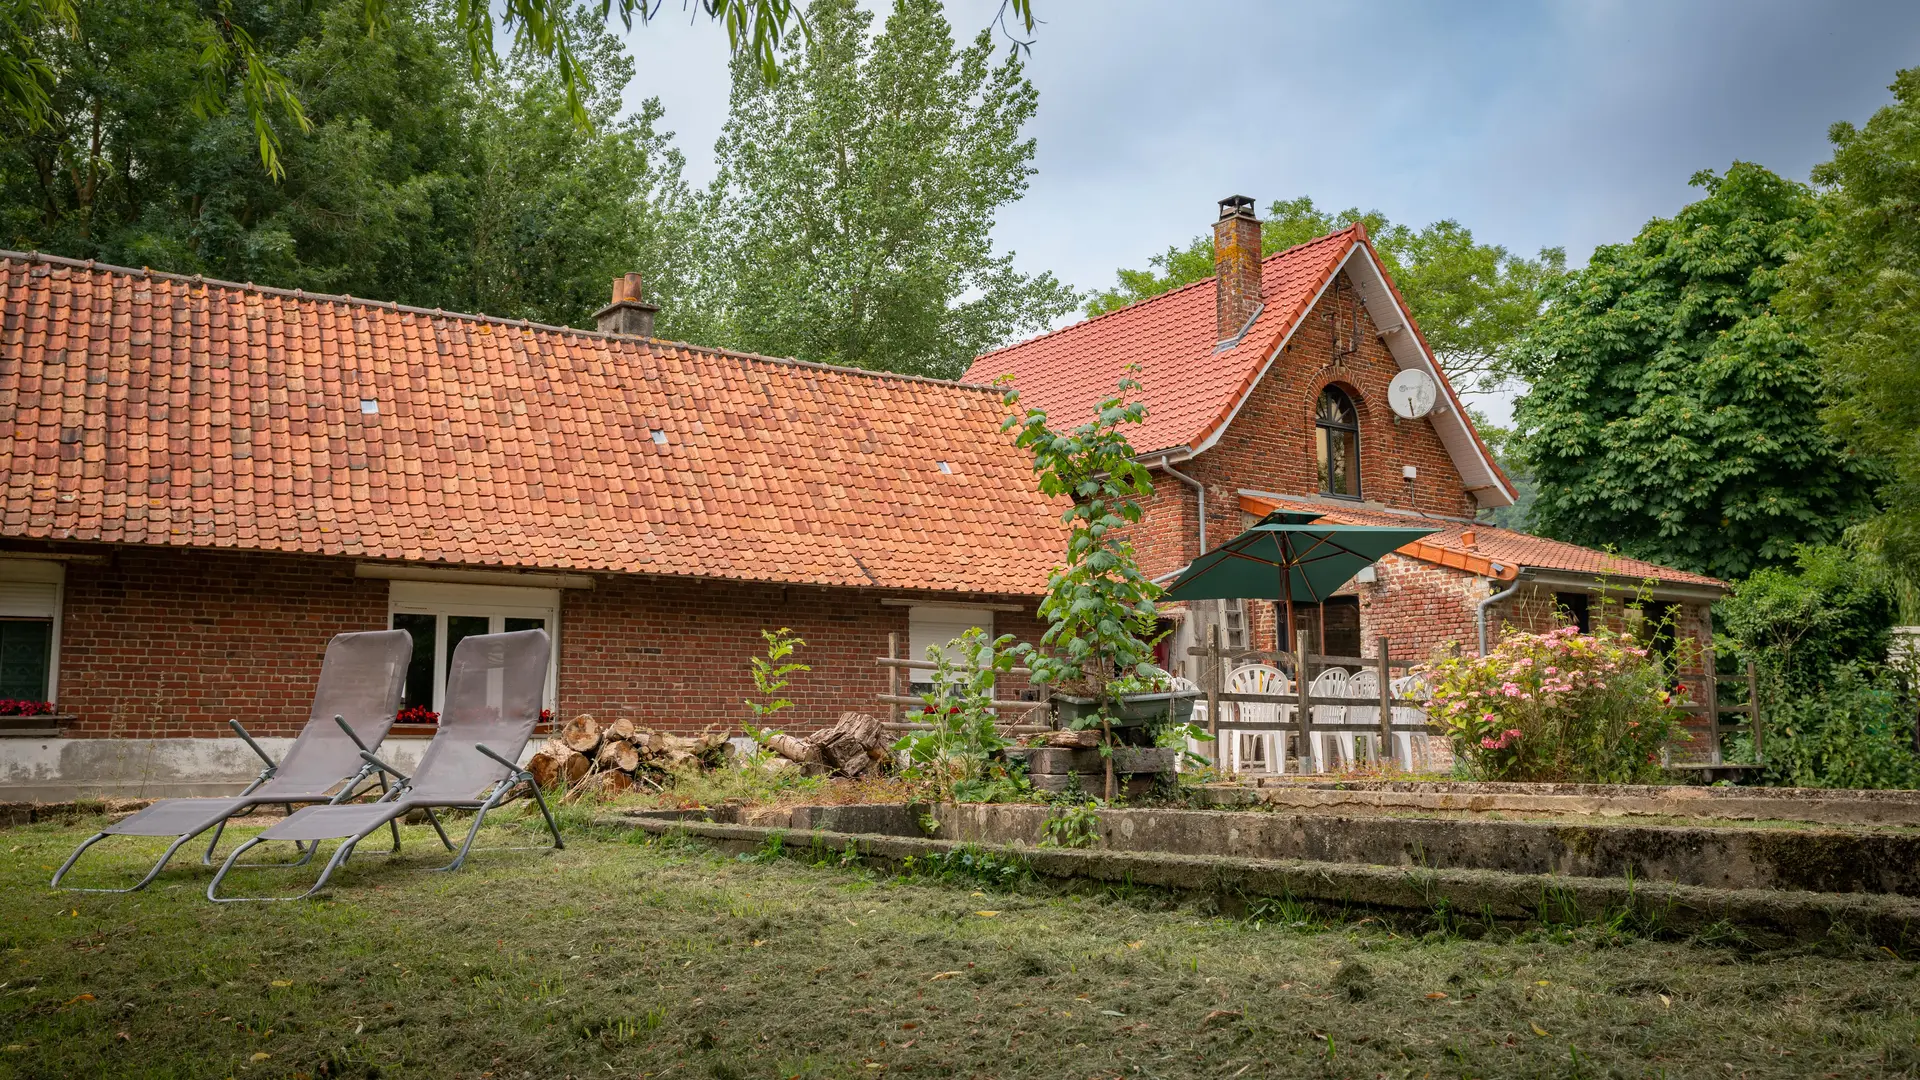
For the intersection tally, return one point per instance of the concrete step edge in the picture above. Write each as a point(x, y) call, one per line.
point(1765, 916)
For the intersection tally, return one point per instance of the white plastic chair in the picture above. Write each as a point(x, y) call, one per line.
point(1329, 753)
point(1363, 687)
point(1411, 746)
point(1180, 684)
point(1254, 679)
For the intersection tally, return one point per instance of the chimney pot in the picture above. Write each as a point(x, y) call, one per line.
point(1469, 541)
point(628, 315)
point(1236, 266)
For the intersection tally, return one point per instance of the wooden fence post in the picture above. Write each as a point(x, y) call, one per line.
point(1304, 720)
point(893, 676)
point(1713, 703)
point(1384, 751)
point(1212, 677)
point(1753, 713)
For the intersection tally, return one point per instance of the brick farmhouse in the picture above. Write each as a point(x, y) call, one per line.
point(204, 481)
point(1266, 389)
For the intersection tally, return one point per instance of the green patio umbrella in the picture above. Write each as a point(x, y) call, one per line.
point(1285, 556)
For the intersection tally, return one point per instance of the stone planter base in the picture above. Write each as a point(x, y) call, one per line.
point(1055, 769)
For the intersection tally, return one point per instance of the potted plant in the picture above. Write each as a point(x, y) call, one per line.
point(1097, 652)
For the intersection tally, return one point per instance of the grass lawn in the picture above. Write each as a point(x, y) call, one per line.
point(619, 957)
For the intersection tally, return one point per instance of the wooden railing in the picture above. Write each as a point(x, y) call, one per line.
point(1299, 666)
point(1018, 712)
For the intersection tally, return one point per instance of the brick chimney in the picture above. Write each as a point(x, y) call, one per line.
point(1236, 266)
point(628, 315)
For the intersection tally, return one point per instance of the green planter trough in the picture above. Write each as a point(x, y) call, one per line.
point(1133, 710)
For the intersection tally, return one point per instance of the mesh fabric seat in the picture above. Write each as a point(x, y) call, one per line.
point(494, 689)
point(361, 680)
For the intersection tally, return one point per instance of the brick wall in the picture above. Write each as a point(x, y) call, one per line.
point(169, 644)
point(1420, 608)
point(674, 652)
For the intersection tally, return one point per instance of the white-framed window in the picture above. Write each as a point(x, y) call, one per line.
point(439, 615)
point(935, 625)
point(30, 599)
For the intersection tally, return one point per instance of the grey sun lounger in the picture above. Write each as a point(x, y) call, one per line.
point(361, 680)
point(494, 688)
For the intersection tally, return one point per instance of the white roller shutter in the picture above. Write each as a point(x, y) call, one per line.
point(936, 625)
point(28, 599)
point(31, 589)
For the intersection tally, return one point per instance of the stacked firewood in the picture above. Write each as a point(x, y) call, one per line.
point(851, 747)
point(588, 757)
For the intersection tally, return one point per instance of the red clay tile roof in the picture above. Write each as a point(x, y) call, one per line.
point(1192, 391)
point(153, 409)
point(1509, 549)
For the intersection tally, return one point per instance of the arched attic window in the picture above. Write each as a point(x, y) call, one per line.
point(1337, 444)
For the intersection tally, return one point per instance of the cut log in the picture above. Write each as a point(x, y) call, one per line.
point(793, 749)
point(582, 734)
point(617, 754)
point(557, 766)
point(1084, 739)
point(846, 754)
point(861, 726)
point(622, 729)
point(600, 785)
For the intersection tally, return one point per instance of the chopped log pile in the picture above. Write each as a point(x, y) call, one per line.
point(851, 747)
point(588, 757)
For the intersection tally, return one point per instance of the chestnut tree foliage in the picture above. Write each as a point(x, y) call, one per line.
point(850, 223)
point(1674, 411)
point(413, 181)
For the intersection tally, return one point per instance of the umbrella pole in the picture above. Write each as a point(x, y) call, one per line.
point(1286, 591)
point(1286, 587)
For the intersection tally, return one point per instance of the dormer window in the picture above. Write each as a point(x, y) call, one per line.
point(1337, 444)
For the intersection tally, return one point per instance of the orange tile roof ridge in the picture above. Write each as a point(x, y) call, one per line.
point(1175, 291)
point(95, 265)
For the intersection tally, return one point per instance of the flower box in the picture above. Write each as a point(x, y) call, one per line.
point(34, 726)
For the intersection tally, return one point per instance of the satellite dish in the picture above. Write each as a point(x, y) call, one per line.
point(1412, 394)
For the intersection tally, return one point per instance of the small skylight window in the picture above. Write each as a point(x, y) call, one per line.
point(944, 467)
point(369, 406)
point(659, 437)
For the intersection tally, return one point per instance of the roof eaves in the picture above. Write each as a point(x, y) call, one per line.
point(1445, 383)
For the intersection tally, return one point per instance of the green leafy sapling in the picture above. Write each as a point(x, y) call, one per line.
point(1099, 604)
point(954, 753)
point(771, 673)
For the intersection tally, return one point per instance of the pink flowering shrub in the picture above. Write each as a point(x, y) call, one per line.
point(1561, 706)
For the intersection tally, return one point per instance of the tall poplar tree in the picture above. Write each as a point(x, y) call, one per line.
point(853, 212)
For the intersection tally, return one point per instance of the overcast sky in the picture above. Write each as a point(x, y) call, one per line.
point(1534, 124)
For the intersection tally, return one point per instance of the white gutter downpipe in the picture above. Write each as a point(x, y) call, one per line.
point(1480, 613)
point(1199, 494)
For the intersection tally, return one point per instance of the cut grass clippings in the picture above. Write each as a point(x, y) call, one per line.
point(625, 956)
